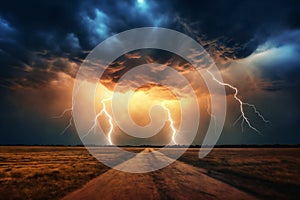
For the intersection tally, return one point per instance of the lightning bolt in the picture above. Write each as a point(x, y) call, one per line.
point(171, 123)
point(66, 111)
point(242, 117)
point(62, 115)
point(242, 104)
point(110, 120)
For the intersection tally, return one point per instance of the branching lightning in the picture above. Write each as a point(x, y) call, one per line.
point(171, 123)
point(62, 115)
point(243, 117)
point(66, 111)
point(103, 110)
point(110, 120)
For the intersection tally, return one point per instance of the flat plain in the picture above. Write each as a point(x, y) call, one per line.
point(49, 172)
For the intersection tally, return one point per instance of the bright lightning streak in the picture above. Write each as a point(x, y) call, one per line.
point(104, 110)
point(243, 116)
point(171, 123)
point(109, 120)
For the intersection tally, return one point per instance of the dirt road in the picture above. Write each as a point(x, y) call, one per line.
point(177, 181)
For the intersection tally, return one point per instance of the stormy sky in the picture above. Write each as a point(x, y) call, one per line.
point(255, 44)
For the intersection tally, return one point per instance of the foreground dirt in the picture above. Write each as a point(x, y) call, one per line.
point(177, 181)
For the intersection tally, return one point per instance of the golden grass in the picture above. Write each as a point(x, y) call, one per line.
point(265, 172)
point(52, 172)
point(45, 172)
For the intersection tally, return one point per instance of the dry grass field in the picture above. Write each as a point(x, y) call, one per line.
point(267, 173)
point(45, 172)
point(52, 172)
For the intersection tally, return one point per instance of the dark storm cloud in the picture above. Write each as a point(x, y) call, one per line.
point(124, 63)
point(46, 24)
point(241, 25)
point(278, 60)
point(228, 29)
point(65, 29)
point(40, 39)
point(264, 34)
